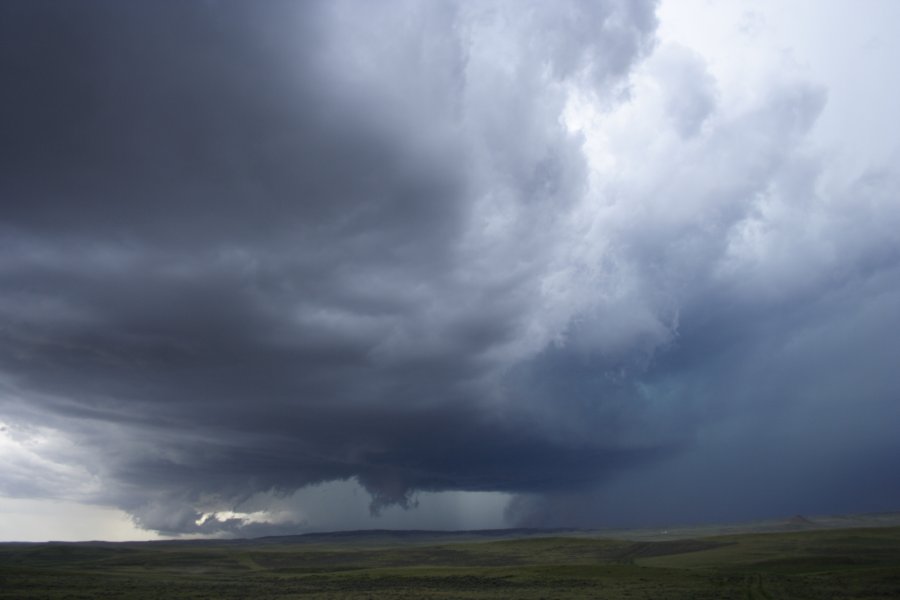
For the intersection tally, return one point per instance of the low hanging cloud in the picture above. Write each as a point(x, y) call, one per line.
point(426, 247)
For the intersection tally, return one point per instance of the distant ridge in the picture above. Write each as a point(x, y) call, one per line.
point(376, 537)
point(801, 522)
point(795, 523)
point(371, 537)
point(412, 535)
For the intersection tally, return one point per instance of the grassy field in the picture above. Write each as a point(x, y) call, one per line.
point(847, 563)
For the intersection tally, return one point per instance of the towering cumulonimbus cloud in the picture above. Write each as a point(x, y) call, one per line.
point(428, 247)
point(253, 248)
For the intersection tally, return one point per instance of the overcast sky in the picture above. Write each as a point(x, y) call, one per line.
point(283, 266)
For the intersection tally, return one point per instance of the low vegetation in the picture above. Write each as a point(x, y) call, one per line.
point(848, 563)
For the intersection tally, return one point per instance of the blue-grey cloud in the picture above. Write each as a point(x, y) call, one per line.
point(249, 249)
point(274, 246)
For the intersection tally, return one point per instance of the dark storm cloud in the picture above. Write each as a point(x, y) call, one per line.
point(257, 247)
point(247, 248)
point(197, 124)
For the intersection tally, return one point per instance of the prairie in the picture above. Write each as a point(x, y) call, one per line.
point(830, 563)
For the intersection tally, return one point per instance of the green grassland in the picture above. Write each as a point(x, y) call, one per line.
point(846, 563)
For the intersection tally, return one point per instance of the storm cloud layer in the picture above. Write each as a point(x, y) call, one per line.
point(248, 248)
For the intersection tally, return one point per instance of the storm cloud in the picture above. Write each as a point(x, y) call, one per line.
point(527, 248)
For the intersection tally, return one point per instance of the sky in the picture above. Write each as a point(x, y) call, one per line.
point(270, 268)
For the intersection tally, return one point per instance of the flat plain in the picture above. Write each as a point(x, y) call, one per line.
point(847, 563)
